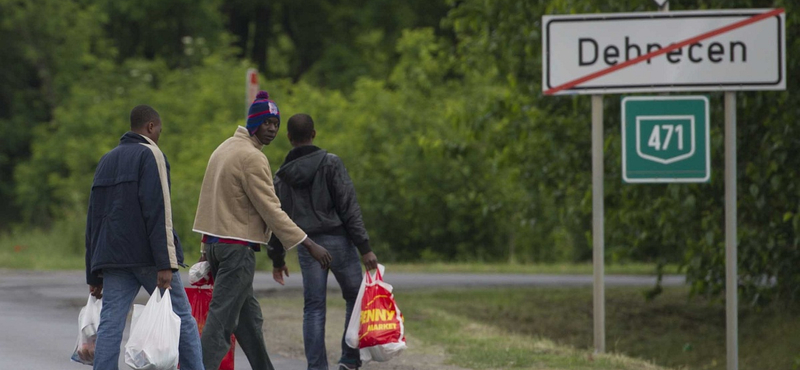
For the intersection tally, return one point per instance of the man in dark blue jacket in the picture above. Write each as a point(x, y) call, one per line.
point(130, 242)
point(318, 195)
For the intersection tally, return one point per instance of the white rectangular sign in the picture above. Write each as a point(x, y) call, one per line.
point(711, 50)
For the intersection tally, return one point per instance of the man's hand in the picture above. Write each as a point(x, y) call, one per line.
point(318, 252)
point(277, 273)
point(165, 278)
point(203, 251)
point(370, 261)
point(96, 291)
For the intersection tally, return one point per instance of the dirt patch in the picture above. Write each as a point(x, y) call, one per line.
point(283, 323)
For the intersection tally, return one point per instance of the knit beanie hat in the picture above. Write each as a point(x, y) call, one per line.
point(261, 109)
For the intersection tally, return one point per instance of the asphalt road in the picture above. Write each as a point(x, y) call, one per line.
point(39, 310)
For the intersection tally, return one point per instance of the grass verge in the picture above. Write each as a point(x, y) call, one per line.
point(502, 328)
point(438, 339)
point(63, 250)
point(59, 249)
point(508, 268)
point(479, 345)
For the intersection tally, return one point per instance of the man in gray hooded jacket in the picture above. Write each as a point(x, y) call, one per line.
point(318, 195)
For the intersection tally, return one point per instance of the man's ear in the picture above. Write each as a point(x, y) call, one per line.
point(313, 134)
point(289, 136)
point(151, 127)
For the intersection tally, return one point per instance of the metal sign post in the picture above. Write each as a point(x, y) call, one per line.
point(598, 225)
point(731, 242)
point(250, 89)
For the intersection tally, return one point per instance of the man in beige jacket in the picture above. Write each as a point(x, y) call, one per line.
point(237, 211)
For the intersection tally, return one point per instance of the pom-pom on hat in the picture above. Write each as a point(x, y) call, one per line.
point(261, 109)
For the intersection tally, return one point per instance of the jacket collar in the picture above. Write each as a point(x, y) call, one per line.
point(131, 137)
point(242, 133)
point(300, 151)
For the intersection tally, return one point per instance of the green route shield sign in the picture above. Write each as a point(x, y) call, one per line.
point(665, 139)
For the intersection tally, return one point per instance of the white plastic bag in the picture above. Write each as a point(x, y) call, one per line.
point(198, 272)
point(88, 321)
point(387, 339)
point(155, 333)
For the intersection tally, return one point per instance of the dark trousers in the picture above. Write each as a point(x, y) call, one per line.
point(233, 309)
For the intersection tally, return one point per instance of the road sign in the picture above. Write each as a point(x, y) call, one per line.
point(719, 50)
point(665, 139)
point(251, 89)
point(661, 2)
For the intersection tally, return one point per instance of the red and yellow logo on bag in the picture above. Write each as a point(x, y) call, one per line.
point(380, 323)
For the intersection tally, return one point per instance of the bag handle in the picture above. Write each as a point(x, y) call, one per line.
point(159, 294)
point(378, 275)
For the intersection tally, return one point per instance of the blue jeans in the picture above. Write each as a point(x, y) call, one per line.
point(346, 268)
point(120, 286)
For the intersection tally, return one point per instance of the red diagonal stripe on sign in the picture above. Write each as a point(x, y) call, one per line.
point(672, 47)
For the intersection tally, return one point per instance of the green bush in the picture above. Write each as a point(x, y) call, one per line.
point(455, 153)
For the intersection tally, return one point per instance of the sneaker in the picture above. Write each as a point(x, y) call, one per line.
point(346, 366)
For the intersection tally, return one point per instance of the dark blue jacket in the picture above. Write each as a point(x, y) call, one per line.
point(130, 217)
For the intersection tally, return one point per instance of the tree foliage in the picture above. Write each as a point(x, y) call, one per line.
point(435, 107)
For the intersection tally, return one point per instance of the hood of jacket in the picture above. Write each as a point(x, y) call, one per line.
point(301, 165)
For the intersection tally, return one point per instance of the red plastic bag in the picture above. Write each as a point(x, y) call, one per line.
point(376, 325)
point(200, 298)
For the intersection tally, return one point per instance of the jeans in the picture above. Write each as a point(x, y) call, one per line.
point(120, 286)
point(346, 268)
point(233, 309)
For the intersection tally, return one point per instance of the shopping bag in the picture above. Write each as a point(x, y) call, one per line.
point(376, 326)
point(88, 321)
point(200, 298)
point(200, 274)
point(155, 334)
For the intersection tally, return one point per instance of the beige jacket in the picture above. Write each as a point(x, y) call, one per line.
point(237, 199)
